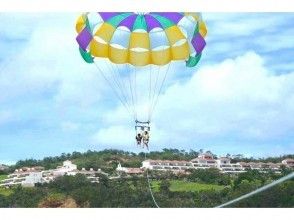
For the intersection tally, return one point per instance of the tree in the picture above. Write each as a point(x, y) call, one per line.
point(250, 175)
point(208, 198)
point(4, 201)
point(66, 183)
point(26, 197)
point(53, 200)
point(211, 175)
point(164, 186)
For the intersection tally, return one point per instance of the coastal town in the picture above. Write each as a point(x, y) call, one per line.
point(30, 176)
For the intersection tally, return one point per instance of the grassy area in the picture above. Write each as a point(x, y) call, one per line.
point(5, 192)
point(2, 177)
point(184, 186)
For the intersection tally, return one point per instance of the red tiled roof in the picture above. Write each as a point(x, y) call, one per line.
point(224, 158)
point(168, 161)
point(134, 170)
point(289, 160)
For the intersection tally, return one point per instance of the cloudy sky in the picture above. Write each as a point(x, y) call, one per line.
point(240, 98)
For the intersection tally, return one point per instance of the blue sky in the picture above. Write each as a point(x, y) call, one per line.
point(240, 99)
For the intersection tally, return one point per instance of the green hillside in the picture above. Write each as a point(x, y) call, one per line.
point(201, 188)
point(185, 186)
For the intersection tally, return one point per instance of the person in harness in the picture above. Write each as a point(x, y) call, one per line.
point(146, 139)
point(139, 139)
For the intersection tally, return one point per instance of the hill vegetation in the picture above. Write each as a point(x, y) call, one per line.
point(202, 188)
point(77, 191)
point(108, 159)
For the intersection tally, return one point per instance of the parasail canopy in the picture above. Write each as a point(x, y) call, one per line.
point(141, 39)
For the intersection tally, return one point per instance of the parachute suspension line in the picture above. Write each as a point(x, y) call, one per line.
point(149, 184)
point(132, 71)
point(122, 84)
point(154, 92)
point(113, 88)
point(160, 90)
point(136, 98)
point(116, 78)
point(131, 89)
point(150, 82)
point(124, 89)
point(157, 92)
point(121, 80)
point(268, 186)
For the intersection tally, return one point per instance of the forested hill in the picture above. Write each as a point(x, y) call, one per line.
point(108, 159)
point(202, 188)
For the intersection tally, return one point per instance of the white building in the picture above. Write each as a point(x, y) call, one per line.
point(204, 161)
point(121, 169)
point(32, 179)
point(262, 167)
point(289, 163)
point(165, 165)
point(128, 170)
point(224, 164)
point(67, 168)
point(30, 176)
point(22, 176)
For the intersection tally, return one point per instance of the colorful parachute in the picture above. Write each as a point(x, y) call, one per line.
point(141, 38)
point(134, 52)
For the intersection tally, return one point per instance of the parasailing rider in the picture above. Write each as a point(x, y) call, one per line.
point(139, 139)
point(146, 138)
point(142, 130)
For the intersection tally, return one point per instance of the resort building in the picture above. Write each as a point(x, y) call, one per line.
point(224, 164)
point(165, 165)
point(206, 161)
point(68, 168)
point(262, 167)
point(29, 176)
point(32, 179)
point(21, 176)
point(130, 171)
point(289, 163)
point(203, 161)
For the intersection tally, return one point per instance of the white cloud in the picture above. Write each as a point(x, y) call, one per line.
point(237, 101)
point(230, 34)
point(245, 24)
point(273, 42)
point(118, 135)
point(238, 96)
point(50, 59)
